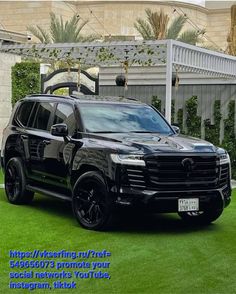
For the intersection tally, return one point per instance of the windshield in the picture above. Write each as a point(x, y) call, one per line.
point(122, 118)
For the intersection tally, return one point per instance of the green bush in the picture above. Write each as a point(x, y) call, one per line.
point(25, 80)
point(212, 132)
point(229, 141)
point(180, 114)
point(193, 122)
point(156, 102)
point(172, 111)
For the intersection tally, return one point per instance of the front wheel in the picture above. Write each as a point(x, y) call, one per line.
point(90, 202)
point(201, 217)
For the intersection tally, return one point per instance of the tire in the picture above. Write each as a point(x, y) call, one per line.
point(15, 183)
point(91, 202)
point(201, 217)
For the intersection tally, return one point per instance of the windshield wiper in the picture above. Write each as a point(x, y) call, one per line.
point(106, 132)
point(143, 132)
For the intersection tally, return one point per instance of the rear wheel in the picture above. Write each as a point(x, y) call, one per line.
point(91, 203)
point(201, 217)
point(15, 183)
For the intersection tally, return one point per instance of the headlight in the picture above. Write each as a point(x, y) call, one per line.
point(129, 159)
point(224, 158)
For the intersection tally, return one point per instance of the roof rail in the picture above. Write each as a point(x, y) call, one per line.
point(131, 98)
point(74, 96)
point(48, 95)
point(81, 96)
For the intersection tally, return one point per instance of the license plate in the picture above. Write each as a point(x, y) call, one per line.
point(191, 204)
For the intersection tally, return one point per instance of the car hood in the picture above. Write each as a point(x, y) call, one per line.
point(147, 143)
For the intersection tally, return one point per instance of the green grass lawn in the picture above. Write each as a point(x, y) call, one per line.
point(1, 177)
point(155, 254)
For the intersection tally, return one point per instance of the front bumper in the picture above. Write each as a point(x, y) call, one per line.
point(167, 201)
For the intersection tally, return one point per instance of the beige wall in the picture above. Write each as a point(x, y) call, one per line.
point(119, 17)
point(116, 17)
point(6, 61)
point(17, 15)
point(218, 26)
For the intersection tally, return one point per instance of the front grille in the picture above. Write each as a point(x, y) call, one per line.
point(133, 177)
point(224, 175)
point(169, 172)
point(136, 178)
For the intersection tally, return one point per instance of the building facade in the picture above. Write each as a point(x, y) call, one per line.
point(116, 17)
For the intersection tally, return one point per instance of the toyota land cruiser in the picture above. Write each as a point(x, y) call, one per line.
point(101, 153)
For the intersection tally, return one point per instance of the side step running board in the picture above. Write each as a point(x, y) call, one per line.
point(48, 193)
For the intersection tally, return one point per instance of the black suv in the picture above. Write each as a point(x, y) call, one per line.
point(102, 153)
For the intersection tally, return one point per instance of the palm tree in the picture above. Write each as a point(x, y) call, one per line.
point(157, 27)
point(231, 39)
point(62, 32)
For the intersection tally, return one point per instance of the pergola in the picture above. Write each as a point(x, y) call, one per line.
point(174, 55)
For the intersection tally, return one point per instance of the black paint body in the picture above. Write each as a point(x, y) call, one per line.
point(53, 163)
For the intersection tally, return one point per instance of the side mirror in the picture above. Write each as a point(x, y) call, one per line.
point(176, 129)
point(59, 130)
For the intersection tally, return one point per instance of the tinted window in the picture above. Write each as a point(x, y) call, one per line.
point(122, 118)
point(23, 113)
point(65, 114)
point(42, 116)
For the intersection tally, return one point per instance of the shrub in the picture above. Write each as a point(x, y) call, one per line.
point(25, 80)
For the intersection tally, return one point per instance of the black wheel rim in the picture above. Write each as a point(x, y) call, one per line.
point(12, 182)
point(89, 203)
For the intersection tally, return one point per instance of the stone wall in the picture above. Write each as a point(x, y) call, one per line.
point(116, 17)
point(18, 15)
point(6, 61)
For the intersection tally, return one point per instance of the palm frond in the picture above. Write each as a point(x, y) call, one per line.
point(81, 26)
point(155, 27)
point(78, 27)
point(191, 37)
point(70, 29)
point(61, 31)
point(148, 13)
point(55, 28)
point(39, 33)
point(175, 27)
point(144, 28)
point(158, 22)
point(211, 47)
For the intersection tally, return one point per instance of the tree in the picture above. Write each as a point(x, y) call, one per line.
point(62, 32)
point(231, 39)
point(157, 27)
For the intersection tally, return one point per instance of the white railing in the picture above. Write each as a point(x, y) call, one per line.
point(205, 61)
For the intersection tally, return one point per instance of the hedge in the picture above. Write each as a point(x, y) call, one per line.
point(25, 80)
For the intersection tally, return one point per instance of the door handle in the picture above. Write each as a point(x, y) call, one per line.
point(46, 142)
